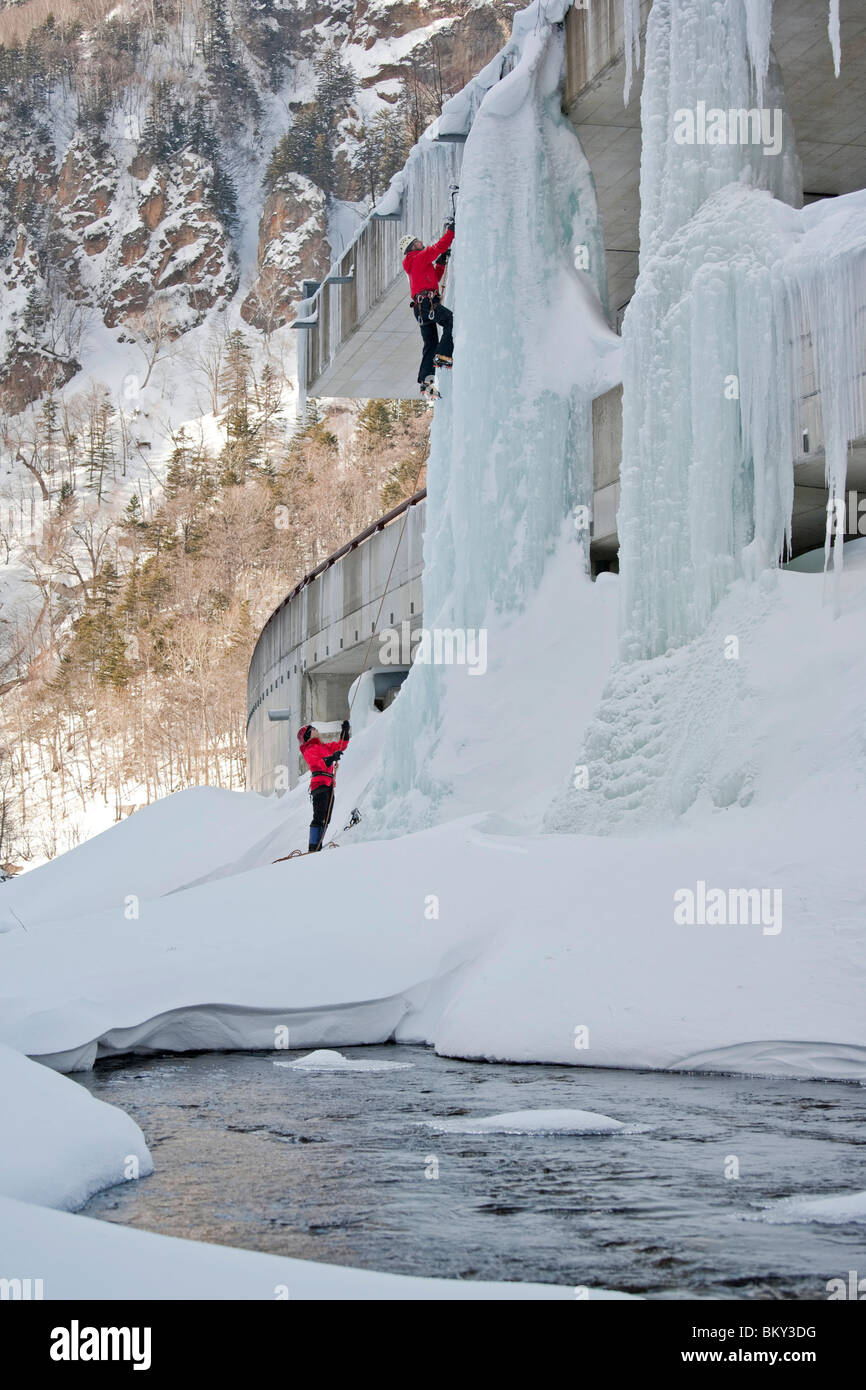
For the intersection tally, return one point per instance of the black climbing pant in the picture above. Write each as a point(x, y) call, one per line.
point(323, 801)
point(433, 344)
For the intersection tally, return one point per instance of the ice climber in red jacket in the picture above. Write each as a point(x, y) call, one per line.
point(322, 759)
point(425, 266)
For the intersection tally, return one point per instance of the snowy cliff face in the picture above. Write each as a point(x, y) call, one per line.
point(511, 445)
point(292, 243)
point(107, 233)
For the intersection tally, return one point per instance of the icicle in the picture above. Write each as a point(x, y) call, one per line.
point(705, 482)
point(759, 23)
point(739, 297)
point(835, 38)
point(826, 274)
point(631, 23)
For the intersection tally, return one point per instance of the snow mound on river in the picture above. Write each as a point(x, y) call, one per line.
point(325, 1059)
point(534, 1122)
point(837, 1210)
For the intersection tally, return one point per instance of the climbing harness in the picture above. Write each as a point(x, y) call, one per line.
point(434, 300)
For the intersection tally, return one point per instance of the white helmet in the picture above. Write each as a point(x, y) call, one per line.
point(406, 242)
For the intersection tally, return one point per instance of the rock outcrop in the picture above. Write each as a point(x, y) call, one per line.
point(292, 247)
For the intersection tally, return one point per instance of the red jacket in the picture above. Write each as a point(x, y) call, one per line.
point(316, 755)
point(418, 265)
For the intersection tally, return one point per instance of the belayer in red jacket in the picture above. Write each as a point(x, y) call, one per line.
point(425, 266)
point(322, 759)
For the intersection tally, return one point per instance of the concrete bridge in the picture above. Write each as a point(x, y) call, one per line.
point(318, 641)
point(357, 337)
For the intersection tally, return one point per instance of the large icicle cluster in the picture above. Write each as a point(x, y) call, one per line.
point(712, 336)
point(511, 444)
point(737, 292)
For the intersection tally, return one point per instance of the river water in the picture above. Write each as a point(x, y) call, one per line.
point(338, 1167)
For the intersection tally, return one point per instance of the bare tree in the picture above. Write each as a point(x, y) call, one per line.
point(152, 330)
point(207, 361)
point(87, 545)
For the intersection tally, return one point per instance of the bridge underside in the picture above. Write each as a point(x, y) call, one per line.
point(381, 358)
point(321, 638)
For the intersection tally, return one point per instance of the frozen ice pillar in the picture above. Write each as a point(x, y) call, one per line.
point(511, 443)
point(706, 486)
point(734, 280)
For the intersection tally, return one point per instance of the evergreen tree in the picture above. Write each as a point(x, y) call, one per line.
point(49, 431)
point(100, 442)
point(65, 497)
point(217, 48)
point(308, 148)
point(376, 422)
point(181, 472)
point(401, 482)
point(132, 518)
point(235, 384)
point(99, 646)
point(381, 149)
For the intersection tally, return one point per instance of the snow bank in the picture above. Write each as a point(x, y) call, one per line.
point(133, 858)
point(82, 1259)
point(764, 706)
point(59, 1145)
point(490, 942)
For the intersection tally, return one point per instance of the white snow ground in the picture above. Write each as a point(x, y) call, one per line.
point(482, 935)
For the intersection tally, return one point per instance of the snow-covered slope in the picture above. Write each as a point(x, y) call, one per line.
point(481, 935)
point(693, 899)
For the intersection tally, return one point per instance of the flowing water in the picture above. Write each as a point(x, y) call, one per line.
point(338, 1167)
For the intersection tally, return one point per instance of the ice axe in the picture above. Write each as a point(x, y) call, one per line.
point(443, 259)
